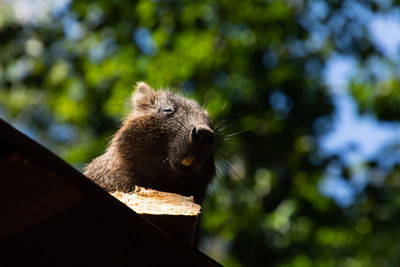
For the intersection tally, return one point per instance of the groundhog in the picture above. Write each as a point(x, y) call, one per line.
point(165, 143)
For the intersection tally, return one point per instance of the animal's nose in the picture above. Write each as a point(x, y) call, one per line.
point(203, 134)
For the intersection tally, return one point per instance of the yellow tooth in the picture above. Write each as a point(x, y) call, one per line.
point(187, 162)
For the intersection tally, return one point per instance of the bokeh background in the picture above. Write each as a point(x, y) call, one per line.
point(308, 91)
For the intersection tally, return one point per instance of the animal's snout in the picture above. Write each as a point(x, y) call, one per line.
point(202, 134)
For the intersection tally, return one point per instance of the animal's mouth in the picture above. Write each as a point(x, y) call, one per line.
point(188, 161)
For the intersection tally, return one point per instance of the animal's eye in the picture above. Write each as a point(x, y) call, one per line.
point(169, 110)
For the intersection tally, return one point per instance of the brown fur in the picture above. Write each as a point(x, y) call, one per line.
point(162, 129)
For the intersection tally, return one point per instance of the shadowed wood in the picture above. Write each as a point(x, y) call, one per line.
point(32, 194)
point(52, 215)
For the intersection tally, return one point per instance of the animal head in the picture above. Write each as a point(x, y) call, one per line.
point(180, 129)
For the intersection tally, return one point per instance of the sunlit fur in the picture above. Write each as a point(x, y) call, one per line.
point(149, 148)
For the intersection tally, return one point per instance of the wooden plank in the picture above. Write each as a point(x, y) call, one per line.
point(177, 215)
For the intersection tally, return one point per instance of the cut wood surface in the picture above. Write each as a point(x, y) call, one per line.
point(149, 201)
point(175, 214)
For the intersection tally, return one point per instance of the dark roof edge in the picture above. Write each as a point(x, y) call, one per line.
point(40, 154)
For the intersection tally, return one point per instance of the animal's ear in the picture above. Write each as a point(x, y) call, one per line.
point(144, 96)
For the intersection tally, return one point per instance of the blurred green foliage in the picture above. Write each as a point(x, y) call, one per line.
point(67, 70)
